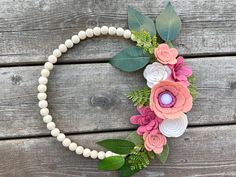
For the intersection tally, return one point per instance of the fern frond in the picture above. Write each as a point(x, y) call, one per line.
point(140, 97)
point(138, 160)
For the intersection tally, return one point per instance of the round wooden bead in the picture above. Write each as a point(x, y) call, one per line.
point(51, 125)
point(79, 150)
point(45, 72)
point(94, 154)
point(47, 118)
point(96, 31)
point(42, 88)
point(73, 146)
point(89, 32)
point(108, 154)
point(101, 155)
point(112, 30)
point(127, 34)
point(55, 132)
point(61, 137)
point(69, 43)
point(48, 66)
point(43, 80)
point(62, 48)
point(52, 59)
point(42, 96)
point(82, 35)
point(43, 104)
point(104, 30)
point(87, 152)
point(120, 31)
point(44, 111)
point(75, 39)
point(66, 142)
point(56, 53)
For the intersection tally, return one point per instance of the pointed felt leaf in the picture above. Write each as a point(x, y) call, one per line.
point(164, 155)
point(125, 170)
point(168, 23)
point(135, 138)
point(117, 145)
point(111, 163)
point(130, 59)
point(138, 21)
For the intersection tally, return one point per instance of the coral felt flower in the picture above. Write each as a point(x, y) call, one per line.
point(169, 100)
point(154, 141)
point(180, 72)
point(166, 55)
point(156, 72)
point(147, 120)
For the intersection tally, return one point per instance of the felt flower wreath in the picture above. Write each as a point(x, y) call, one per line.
point(163, 104)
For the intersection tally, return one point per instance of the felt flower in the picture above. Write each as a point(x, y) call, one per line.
point(147, 120)
point(180, 72)
point(156, 72)
point(174, 127)
point(154, 141)
point(166, 55)
point(169, 100)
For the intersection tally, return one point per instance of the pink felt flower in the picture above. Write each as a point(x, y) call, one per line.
point(166, 55)
point(154, 141)
point(180, 72)
point(147, 120)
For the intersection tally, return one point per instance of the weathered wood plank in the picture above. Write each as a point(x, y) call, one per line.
point(206, 151)
point(90, 97)
point(30, 30)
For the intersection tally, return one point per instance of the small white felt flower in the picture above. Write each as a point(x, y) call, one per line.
point(156, 72)
point(174, 127)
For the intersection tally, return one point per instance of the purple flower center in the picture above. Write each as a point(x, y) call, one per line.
point(166, 99)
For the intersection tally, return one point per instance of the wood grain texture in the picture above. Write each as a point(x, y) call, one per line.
point(91, 97)
point(30, 30)
point(206, 151)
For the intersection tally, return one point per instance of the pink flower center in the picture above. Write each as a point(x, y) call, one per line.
point(166, 99)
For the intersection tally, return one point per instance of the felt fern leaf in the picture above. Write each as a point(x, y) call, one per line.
point(140, 97)
point(138, 160)
point(192, 87)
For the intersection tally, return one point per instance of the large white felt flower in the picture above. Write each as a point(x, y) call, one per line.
point(174, 127)
point(156, 72)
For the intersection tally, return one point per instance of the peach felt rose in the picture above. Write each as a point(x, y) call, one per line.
point(166, 55)
point(154, 141)
point(169, 100)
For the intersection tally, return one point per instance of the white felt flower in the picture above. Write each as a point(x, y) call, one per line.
point(156, 72)
point(174, 127)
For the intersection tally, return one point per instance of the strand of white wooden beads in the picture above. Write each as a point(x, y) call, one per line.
point(43, 80)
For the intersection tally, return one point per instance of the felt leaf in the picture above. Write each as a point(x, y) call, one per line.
point(138, 21)
point(125, 170)
point(135, 138)
point(168, 23)
point(151, 154)
point(111, 163)
point(117, 145)
point(130, 59)
point(164, 155)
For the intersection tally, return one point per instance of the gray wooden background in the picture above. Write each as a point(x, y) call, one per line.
point(86, 94)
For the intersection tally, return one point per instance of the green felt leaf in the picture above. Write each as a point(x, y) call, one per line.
point(125, 170)
point(111, 163)
point(130, 59)
point(135, 138)
point(192, 87)
point(164, 155)
point(138, 21)
point(151, 154)
point(117, 145)
point(168, 23)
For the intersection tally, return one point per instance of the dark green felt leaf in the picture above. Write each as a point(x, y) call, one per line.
point(130, 59)
point(111, 163)
point(117, 145)
point(168, 23)
point(138, 21)
point(164, 155)
point(125, 170)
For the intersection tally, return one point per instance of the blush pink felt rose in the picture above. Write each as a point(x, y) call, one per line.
point(147, 120)
point(169, 100)
point(154, 141)
point(166, 55)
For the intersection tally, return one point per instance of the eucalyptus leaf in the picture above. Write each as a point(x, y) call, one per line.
point(164, 155)
point(117, 145)
point(168, 23)
point(125, 170)
point(138, 21)
point(135, 138)
point(111, 163)
point(130, 59)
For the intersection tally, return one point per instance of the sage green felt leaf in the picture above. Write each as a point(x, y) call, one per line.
point(135, 138)
point(138, 21)
point(111, 163)
point(117, 145)
point(164, 155)
point(168, 23)
point(125, 170)
point(130, 59)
